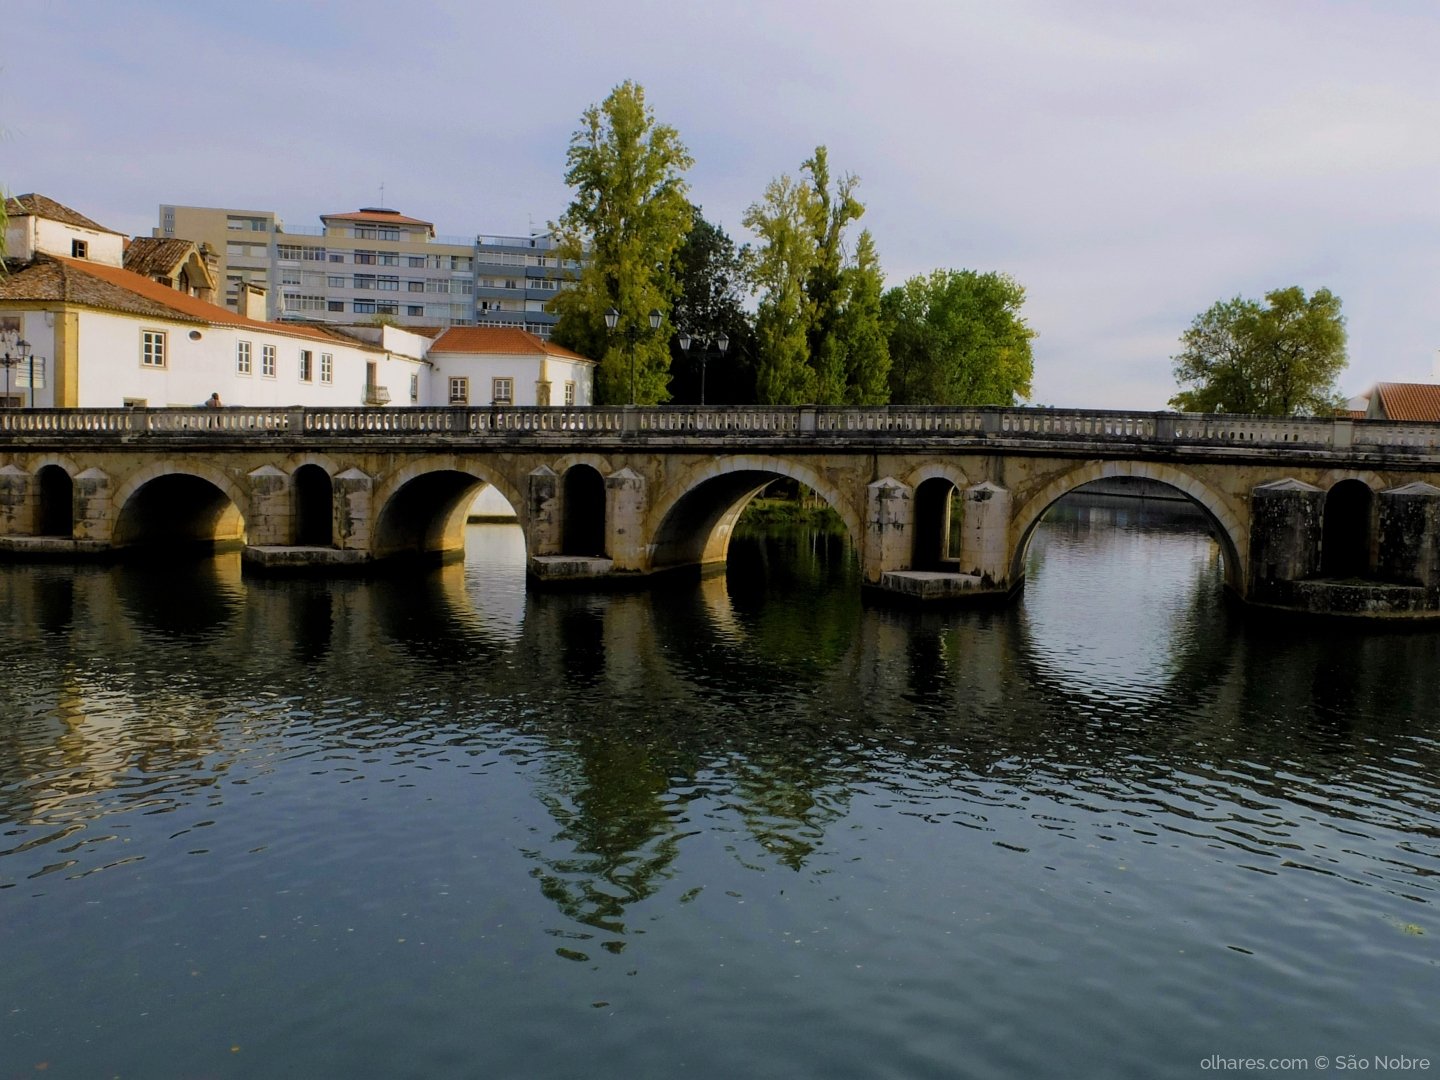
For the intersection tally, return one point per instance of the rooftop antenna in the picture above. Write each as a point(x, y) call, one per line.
point(382, 192)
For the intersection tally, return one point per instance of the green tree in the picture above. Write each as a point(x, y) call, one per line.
point(957, 337)
point(1281, 358)
point(710, 274)
point(628, 216)
point(812, 348)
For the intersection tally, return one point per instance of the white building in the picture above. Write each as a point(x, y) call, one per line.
point(101, 335)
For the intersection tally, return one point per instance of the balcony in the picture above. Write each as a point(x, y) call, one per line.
point(377, 395)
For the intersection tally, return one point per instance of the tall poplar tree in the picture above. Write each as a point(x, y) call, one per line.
point(628, 216)
point(813, 347)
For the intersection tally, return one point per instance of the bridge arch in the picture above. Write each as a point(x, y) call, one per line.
point(184, 501)
point(421, 509)
point(1223, 520)
point(697, 514)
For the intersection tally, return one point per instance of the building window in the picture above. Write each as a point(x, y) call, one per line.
point(387, 307)
point(289, 276)
point(570, 393)
point(502, 391)
point(414, 286)
point(307, 359)
point(389, 259)
point(363, 307)
point(327, 367)
point(298, 302)
point(288, 252)
point(414, 387)
point(366, 258)
point(242, 358)
point(387, 284)
point(364, 281)
point(459, 391)
point(79, 249)
point(267, 361)
point(416, 310)
point(335, 281)
point(334, 305)
point(152, 348)
point(337, 256)
point(415, 260)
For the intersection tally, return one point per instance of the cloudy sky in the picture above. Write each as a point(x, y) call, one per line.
point(1129, 163)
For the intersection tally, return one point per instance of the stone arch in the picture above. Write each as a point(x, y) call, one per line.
point(421, 508)
point(217, 519)
point(1346, 529)
point(582, 511)
point(1228, 529)
point(55, 501)
point(697, 513)
point(313, 489)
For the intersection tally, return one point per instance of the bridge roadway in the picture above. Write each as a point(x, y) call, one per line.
point(1332, 515)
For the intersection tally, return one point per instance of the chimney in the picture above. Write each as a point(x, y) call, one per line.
point(250, 301)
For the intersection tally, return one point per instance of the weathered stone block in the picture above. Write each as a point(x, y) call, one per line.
point(889, 512)
point(17, 502)
point(625, 509)
point(1410, 534)
point(1285, 531)
point(985, 534)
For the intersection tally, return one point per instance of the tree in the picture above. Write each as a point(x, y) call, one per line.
point(809, 350)
point(1277, 359)
point(628, 216)
point(860, 333)
point(957, 338)
point(710, 274)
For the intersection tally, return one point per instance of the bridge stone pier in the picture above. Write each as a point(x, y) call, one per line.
point(1315, 515)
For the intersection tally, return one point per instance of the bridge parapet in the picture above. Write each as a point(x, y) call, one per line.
point(822, 424)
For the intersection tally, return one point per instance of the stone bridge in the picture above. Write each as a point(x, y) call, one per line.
point(1333, 515)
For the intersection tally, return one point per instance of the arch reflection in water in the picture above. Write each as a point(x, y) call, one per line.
point(1148, 575)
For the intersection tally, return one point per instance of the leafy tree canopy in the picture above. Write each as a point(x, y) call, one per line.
point(817, 323)
point(710, 273)
point(628, 217)
point(1280, 358)
point(957, 338)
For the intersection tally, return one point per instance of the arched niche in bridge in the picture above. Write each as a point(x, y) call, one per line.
point(177, 510)
point(314, 514)
point(55, 513)
point(582, 511)
point(696, 523)
point(1346, 530)
point(934, 508)
point(1159, 479)
point(426, 515)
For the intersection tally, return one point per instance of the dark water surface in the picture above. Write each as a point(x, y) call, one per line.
point(746, 827)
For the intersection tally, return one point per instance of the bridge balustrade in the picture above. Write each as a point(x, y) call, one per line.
point(823, 422)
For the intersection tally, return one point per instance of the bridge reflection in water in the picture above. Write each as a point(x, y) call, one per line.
point(338, 803)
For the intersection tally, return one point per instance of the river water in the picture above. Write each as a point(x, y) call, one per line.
point(743, 827)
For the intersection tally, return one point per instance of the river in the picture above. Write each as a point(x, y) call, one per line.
point(748, 826)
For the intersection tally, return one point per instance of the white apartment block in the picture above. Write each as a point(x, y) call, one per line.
point(375, 262)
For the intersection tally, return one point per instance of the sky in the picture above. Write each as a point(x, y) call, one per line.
point(1128, 163)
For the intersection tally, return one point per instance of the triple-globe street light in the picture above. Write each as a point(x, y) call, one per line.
point(18, 351)
point(612, 317)
point(722, 342)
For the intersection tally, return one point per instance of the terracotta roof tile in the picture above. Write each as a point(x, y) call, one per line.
point(54, 277)
point(1409, 401)
point(150, 255)
point(500, 339)
point(33, 205)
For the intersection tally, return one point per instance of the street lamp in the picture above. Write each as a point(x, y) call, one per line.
point(722, 342)
point(612, 317)
point(23, 353)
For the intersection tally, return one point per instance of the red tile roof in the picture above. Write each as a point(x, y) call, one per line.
point(54, 277)
point(45, 207)
point(500, 339)
point(1409, 401)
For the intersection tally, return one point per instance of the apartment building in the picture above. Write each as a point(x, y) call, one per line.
point(360, 265)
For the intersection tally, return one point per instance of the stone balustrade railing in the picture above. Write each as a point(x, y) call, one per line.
point(1004, 424)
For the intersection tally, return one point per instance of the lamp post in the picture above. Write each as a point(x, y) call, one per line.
point(23, 353)
point(722, 342)
point(612, 317)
